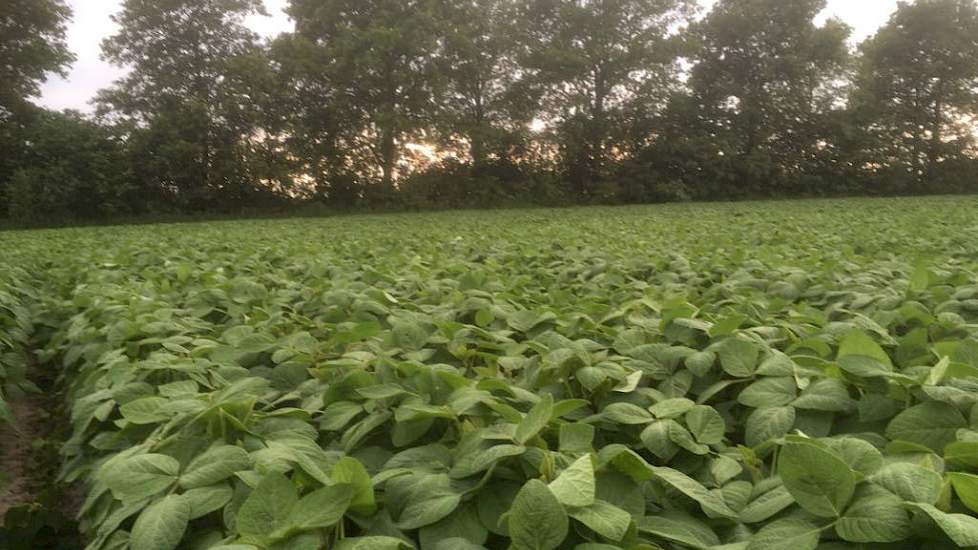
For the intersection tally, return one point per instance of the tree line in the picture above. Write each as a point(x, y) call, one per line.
point(466, 103)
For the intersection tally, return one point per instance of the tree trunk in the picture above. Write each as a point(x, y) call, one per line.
point(388, 152)
point(936, 133)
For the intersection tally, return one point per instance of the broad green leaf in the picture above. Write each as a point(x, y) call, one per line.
point(910, 482)
point(962, 453)
point(861, 344)
point(462, 525)
point(626, 413)
point(819, 481)
point(738, 357)
point(876, 517)
point(535, 420)
point(828, 394)
point(576, 437)
point(679, 528)
point(713, 505)
point(766, 505)
point(671, 408)
point(267, 508)
point(933, 424)
point(575, 485)
point(706, 424)
point(860, 455)
point(216, 464)
point(140, 476)
point(537, 520)
point(349, 470)
point(768, 423)
point(429, 498)
point(769, 392)
point(782, 534)
point(372, 543)
point(322, 508)
point(204, 500)
point(605, 519)
point(161, 525)
point(966, 487)
point(961, 529)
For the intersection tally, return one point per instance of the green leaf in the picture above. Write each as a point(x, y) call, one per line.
point(796, 534)
point(430, 498)
point(161, 525)
point(766, 505)
point(204, 500)
point(656, 439)
point(961, 529)
point(819, 480)
point(859, 343)
point(575, 485)
point(827, 394)
point(712, 504)
point(933, 424)
point(216, 464)
point(537, 520)
point(671, 408)
point(860, 455)
point(140, 476)
point(769, 392)
point(768, 423)
point(576, 437)
point(462, 525)
point(966, 487)
point(706, 424)
point(607, 520)
point(626, 413)
point(147, 410)
point(267, 507)
point(738, 357)
point(372, 543)
point(962, 453)
point(535, 420)
point(679, 528)
point(910, 482)
point(877, 517)
point(322, 508)
point(350, 470)
point(480, 459)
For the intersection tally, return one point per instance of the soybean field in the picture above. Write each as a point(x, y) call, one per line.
point(750, 376)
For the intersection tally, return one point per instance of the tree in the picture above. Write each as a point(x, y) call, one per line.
point(32, 45)
point(594, 59)
point(191, 119)
point(484, 101)
point(917, 91)
point(374, 65)
point(764, 78)
point(72, 169)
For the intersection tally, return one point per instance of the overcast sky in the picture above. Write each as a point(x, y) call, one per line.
point(91, 24)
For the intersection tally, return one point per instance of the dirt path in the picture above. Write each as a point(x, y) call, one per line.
point(16, 453)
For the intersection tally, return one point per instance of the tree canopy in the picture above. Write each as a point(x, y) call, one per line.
point(467, 103)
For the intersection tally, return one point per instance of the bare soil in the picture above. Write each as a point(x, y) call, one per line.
point(19, 483)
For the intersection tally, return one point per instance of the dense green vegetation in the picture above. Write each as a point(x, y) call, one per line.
point(755, 376)
point(392, 104)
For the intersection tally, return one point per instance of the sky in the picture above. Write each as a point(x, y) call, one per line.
point(91, 24)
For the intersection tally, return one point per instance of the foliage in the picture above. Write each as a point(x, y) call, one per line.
point(764, 78)
point(918, 85)
point(71, 170)
point(188, 100)
point(742, 376)
point(32, 46)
